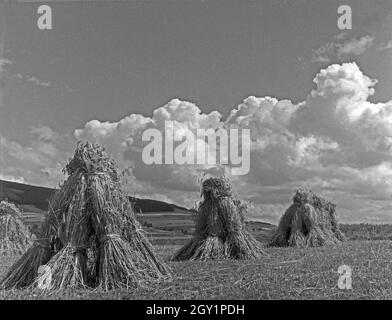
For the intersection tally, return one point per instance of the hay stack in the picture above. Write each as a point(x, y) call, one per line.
point(15, 238)
point(220, 231)
point(309, 221)
point(90, 236)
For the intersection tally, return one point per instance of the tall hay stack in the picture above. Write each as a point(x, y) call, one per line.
point(15, 238)
point(309, 222)
point(220, 231)
point(90, 237)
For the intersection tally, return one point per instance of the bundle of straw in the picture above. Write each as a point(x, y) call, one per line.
point(23, 273)
point(309, 221)
point(125, 257)
point(220, 232)
point(15, 237)
point(91, 235)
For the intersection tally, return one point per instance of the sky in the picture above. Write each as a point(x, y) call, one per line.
point(316, 99)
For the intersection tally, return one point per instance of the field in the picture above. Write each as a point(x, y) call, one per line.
point(286, 273)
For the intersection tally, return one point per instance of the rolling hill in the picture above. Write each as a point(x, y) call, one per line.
point(35, 198)
point(165, 223)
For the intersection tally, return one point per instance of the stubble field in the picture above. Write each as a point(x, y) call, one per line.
point(286, 273)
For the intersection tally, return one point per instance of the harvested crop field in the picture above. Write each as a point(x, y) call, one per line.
point(286, 273)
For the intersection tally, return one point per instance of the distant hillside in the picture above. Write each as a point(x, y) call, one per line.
point(165, 223)
point(35, 199)
point(149, 205)
point(23, 194)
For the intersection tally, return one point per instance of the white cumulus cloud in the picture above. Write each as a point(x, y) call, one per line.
point(335, 141)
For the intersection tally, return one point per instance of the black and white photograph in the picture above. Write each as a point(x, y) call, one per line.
point(191, 152)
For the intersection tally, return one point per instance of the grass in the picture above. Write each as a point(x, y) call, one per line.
point(286, 273)
point(367, 231)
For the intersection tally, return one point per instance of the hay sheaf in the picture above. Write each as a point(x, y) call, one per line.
point(220, 231)
point(15, 237)
point(90, 237)
point(309, 221)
